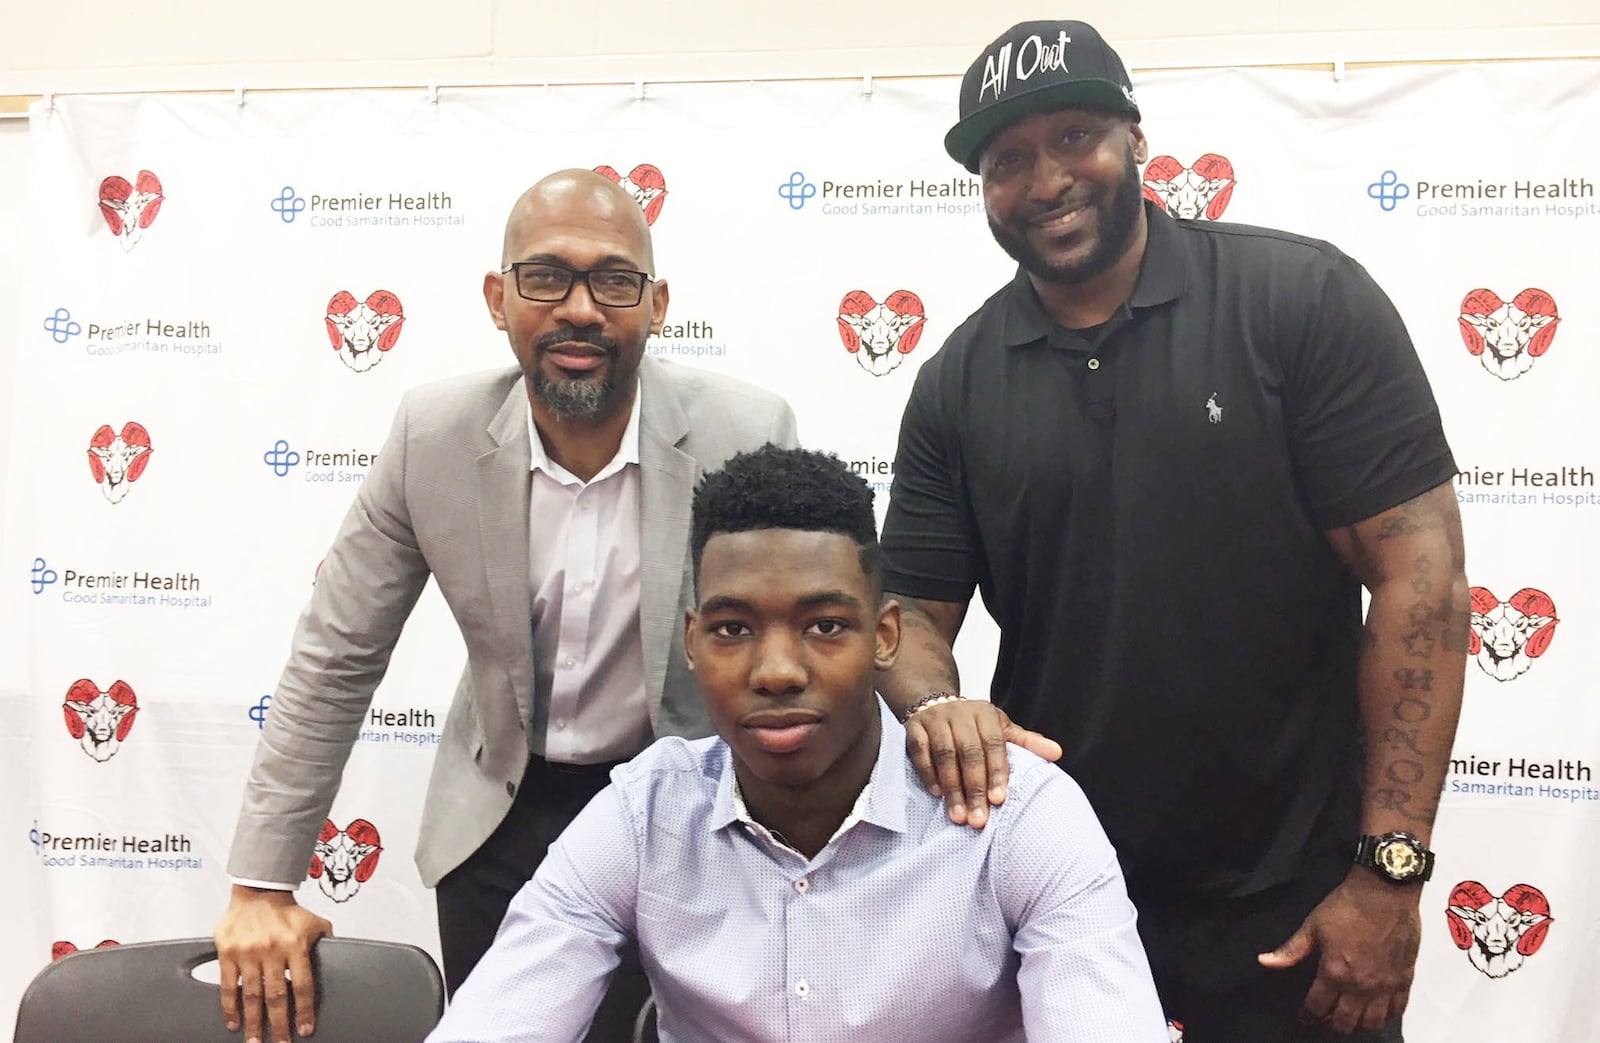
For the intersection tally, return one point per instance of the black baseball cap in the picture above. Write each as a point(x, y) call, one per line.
point(1037, 67)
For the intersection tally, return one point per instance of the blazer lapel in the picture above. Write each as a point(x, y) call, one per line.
point(667, 476)
point(503, 487)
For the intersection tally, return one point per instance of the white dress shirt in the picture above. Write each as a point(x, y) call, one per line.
point(589, 702)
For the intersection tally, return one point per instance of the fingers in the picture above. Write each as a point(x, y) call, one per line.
point(251, 974)
point(946, 766)
point(997, 762)
point(275, 990)
point(1347, 1014)
point(959, 752)
point(1035, 743)
point(1291, 952)
point(304, 988)
point(917, 748)
point(1379, 1012)
point(229, 990)
point(1321, 1000)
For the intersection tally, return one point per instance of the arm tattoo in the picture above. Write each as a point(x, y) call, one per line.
point(1419, 644)
point(1397, 738)
point(1412, 710)
point(1414, 679)
point(1400, 525)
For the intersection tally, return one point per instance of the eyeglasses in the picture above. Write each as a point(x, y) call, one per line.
point(551, 283)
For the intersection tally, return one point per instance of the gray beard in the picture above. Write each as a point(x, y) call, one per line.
point(574, 399)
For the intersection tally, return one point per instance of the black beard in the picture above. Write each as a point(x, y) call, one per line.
point(1117, 223)
point(575, 398)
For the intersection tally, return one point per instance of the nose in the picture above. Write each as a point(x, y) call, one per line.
point(778, 669)
point(579, 308)
point(1052, 176)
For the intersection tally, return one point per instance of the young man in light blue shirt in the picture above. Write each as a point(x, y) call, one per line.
point(791, 880)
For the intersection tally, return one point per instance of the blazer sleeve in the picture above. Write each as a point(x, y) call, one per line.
point(783, 432)
point(366, 588)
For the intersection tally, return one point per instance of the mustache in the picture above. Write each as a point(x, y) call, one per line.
point(1068, 200)
point(569, 334)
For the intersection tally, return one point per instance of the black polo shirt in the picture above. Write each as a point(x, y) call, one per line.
point(1144, 509)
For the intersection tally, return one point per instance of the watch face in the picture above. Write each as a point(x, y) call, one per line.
point(1399, 859)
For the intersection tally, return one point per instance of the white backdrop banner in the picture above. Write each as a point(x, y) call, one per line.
point(223, 303)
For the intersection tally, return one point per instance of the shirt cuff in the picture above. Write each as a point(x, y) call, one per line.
point(266, 885)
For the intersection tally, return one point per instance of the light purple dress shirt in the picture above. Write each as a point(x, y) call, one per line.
point(903, 927)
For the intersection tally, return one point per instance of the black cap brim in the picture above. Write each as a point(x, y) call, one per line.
point(967, 138)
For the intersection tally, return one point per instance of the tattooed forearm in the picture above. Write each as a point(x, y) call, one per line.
point(926, 662)
point(1410, 559)
point(1398, 801)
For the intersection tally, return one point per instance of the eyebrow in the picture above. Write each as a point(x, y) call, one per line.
point(821, 599)
point(608, 261)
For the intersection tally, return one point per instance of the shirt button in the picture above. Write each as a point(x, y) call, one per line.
point(802, 989)
point(1094, 363)
point(802, 885)
point(570, 663)
point(561, 726)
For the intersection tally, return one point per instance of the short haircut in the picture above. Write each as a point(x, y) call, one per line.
point(773, 488)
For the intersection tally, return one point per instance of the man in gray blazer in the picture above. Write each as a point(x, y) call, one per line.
point(551, 504)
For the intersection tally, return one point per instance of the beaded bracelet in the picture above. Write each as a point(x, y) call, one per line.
point(931, 700)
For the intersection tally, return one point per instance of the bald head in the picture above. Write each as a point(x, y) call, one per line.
point(577, 195)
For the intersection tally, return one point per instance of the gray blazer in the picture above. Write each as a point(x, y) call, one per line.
point(448, 496)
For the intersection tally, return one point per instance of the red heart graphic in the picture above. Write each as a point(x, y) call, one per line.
point(382, 303)
point(130, 209)
point(1203, 189)
point(1482, 304)
point(645, 183)
point(136, 443)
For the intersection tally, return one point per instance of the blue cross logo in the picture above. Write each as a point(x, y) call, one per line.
point(281, 458)
point(60, 326)
point(1388, 190)
point(42, 575)
point(288, 205)
point(258, 712)
point(797, 190)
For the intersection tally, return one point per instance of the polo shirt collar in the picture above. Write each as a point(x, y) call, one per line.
point(1162, 278)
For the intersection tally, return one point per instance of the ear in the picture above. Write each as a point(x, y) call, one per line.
point(494, 295)
point(1141, 147)
point(659, 298)
point(888, 648)
point(689, 617)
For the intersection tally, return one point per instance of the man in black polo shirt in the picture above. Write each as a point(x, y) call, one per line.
point(1170, 454)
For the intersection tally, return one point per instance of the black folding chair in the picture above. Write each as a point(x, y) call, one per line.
point(145, 993)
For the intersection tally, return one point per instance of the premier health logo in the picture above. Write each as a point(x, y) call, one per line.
point(415, 207)
point(61, 326)
point(1389, 190)
point(288, 205)
point(878, 197)
point(1564, 196)
point(42, 575)
point(797, 190)
point(321, 466)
